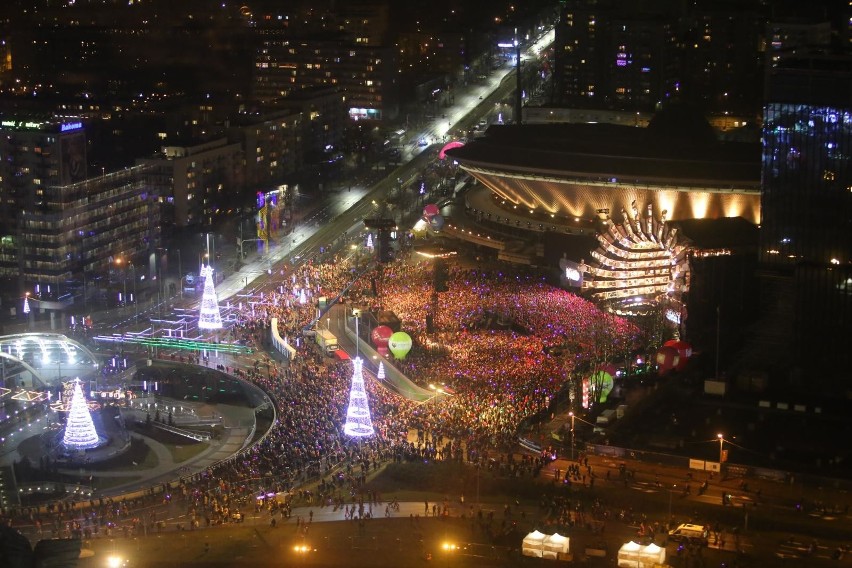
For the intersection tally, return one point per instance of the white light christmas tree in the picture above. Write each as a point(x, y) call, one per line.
point(358, 421)
point(26, 304)
point(209, 316)
point(80, 433)
point(381, 374)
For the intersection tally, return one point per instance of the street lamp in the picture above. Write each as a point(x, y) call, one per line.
point(571, 414)
point(671, 490)
point(721, 450)
point(118, 261)
point(438, 392)
point(357, 313)
point(180, 274)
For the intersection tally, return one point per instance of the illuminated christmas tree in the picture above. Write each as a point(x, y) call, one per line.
point(80, 433)
point(358, 421)
point(209, 316)
point(381, 374)
point(26, 304)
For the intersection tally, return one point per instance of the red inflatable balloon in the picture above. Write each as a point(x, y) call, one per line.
point(383, 351)
point(381, 335)
point(684, 351)
point(430, 210)
point(667, 358)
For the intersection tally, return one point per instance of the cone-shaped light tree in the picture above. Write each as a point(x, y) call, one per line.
point(80, 433)
point(358, 421)
point(209, 316)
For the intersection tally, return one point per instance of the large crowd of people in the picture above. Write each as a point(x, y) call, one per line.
point(488, 346)
point(489, 343)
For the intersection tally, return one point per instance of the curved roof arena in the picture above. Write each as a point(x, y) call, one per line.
point(585, 171)
point(629, 154)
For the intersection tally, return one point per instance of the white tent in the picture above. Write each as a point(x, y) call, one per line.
point(554, 545)
point(652, 555)
point(557, 543)
point(533, 544)
point(628, 555)
point(632, 555)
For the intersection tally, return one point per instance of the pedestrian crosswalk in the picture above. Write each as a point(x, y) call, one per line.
point(796, 549)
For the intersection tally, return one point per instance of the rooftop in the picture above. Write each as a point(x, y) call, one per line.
point(674, 148)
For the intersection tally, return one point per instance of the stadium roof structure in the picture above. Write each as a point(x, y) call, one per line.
point(656, 154)
point(585, 173)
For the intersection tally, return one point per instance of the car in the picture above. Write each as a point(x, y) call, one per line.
point(688, 532)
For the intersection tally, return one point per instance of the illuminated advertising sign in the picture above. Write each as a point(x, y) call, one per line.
point(571, 273)
point(21, 124)
point(70, 126)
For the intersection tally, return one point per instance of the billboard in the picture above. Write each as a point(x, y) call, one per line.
point(571, 273)
point(72, 157)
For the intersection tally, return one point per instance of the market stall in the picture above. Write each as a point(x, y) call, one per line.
point(554, 545)
point(533, 544)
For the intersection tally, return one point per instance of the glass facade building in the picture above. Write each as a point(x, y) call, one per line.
point(806, 175)
point(806, 210)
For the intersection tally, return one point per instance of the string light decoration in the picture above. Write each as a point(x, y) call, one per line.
point(209, 316)
point(80, 433)
point(26, 304)
point(639, 264)
point(66, 397)
point(358, 421)
point(381, 374)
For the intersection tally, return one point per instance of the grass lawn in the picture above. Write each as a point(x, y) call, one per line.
point(105, 483)
point(180, 447)
point(138, 456)
point(182, 453)
point(444, 480)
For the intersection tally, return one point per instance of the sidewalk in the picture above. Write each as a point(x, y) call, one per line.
point(647, 475)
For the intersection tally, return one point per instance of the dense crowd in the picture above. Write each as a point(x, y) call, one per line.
point(488, 346)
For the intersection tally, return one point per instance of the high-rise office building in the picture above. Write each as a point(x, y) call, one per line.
point(806, 232)
point(638, 56)
point(59, 223)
